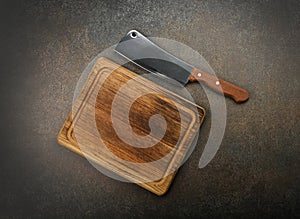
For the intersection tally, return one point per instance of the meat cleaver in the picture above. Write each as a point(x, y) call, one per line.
point(143, 52)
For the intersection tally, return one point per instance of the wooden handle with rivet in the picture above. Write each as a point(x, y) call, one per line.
point(236, 93)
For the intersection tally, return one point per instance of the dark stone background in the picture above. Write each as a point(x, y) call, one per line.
point(45, 45)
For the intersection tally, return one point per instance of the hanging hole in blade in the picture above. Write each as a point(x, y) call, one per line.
point(133, 34)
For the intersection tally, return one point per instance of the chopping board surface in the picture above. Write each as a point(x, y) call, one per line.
point(131, 126)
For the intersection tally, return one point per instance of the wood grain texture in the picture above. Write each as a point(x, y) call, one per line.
point(112, 91)
point(236, 93)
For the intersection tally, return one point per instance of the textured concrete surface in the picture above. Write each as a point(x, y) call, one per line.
point(45, 45)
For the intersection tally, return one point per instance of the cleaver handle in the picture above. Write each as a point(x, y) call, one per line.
point(236, 93)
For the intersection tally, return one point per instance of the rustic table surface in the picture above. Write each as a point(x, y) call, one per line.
point(45, 45)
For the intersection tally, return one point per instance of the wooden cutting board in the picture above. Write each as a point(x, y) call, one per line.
point(131, 126)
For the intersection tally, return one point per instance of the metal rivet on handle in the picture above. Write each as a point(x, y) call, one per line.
point(199, 74)
point(217, 83)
